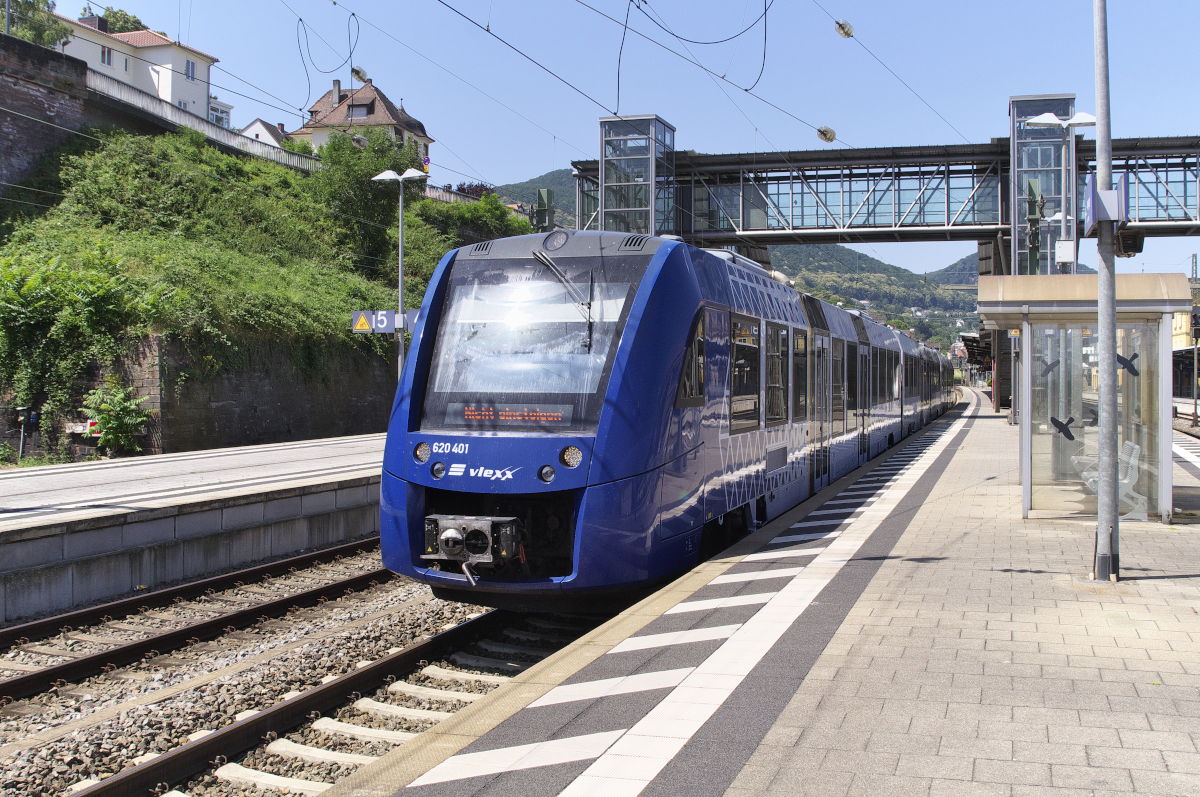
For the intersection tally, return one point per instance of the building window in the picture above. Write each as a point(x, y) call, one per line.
point(106, 56)
point(183, 104)
point(219, 116)
point(126, 64)
point(189, 70)
point(359, 111)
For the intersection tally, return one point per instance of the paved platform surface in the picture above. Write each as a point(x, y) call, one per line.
point(980, 660)
point(905, 632)
point(61, 493)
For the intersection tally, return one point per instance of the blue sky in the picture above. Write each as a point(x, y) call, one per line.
point(964, 58)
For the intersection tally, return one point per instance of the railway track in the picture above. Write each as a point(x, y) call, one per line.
point(295, 745)
point(90, 641)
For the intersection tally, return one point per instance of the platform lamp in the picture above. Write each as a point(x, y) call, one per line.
point(391, 176)
point(1048, 119)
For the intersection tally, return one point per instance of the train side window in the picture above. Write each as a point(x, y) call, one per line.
point(851, 386)
point(799, 376)
point(890, 377)
point(839, 382)
point(875, 400)
point(777, 375)
point(691, 380)
point(744, 373)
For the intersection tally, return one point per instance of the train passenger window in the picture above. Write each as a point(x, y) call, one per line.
point(777, 375)
point(744, 375)
point(799, 376)
point(691, 380)
point(889, 379)
point(839, 383)
point(875, 400)
point(851, 386)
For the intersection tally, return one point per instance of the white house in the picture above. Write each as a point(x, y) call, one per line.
point(268, 133)
point(148, 61)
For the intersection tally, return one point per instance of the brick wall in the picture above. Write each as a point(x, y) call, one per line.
point(40, 83)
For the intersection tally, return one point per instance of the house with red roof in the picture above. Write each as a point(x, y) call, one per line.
point(151, 62)
point(354, 108)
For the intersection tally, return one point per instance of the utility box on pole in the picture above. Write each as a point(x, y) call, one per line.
point(545, 210)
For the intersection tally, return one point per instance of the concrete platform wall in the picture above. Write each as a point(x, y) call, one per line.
point(50, 567)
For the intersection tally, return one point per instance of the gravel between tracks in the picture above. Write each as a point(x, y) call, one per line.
point(108, 747)
point(57, 707)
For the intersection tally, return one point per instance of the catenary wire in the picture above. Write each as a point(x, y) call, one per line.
point(859, 42)
point(742, 32)
point(695, 63)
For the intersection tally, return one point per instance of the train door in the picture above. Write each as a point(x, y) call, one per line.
point(821, 403)
point(864, 403)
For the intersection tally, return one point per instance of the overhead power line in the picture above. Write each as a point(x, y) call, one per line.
point(699, 65)
point(904, 83)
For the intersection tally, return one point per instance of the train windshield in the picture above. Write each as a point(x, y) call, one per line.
point(518, 347)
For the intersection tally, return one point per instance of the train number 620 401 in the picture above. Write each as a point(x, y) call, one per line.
point(450, 448)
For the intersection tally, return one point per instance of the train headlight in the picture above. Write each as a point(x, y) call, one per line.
point(570, 456)
point(546, 474)
point(422, 452)
point(438, 470)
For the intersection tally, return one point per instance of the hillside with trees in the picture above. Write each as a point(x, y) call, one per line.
point(117, 236)
point(564, 194)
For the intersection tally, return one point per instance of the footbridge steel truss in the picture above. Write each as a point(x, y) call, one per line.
point(944, 193)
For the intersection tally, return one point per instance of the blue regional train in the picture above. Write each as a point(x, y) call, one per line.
point(591, 413)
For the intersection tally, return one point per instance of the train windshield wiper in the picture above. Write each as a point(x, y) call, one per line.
point(582, 304)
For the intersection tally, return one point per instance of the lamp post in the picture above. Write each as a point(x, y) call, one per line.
point(1107, 558)
point(1066, 125)
point(391, 176)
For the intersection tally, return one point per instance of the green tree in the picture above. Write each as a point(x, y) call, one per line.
point(297, 145)
point(118, 21)
point(33, 22)
point(367, 209)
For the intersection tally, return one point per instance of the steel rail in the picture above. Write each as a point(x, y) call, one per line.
point(78, 669)
point(45, 627)
point(232, 740)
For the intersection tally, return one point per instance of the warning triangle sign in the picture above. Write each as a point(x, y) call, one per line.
point(361, 324)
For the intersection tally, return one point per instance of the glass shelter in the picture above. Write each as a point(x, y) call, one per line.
point(1057, 379)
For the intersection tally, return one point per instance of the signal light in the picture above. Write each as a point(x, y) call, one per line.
point(438, 470)
point(546, 474)
point(422, 452)
point(570, 456)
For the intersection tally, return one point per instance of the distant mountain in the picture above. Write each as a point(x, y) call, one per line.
point(964, 271)
point(564, 194)
point(836, 273)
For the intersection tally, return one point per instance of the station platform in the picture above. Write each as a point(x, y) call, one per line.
point(78, 533)
point(903, 632)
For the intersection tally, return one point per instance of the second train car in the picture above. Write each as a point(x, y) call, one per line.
point(587, 414)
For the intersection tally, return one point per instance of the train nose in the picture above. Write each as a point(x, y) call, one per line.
point(451, 542)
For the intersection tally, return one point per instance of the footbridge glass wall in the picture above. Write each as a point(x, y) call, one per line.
point(1065, 413)
point(886, 197)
